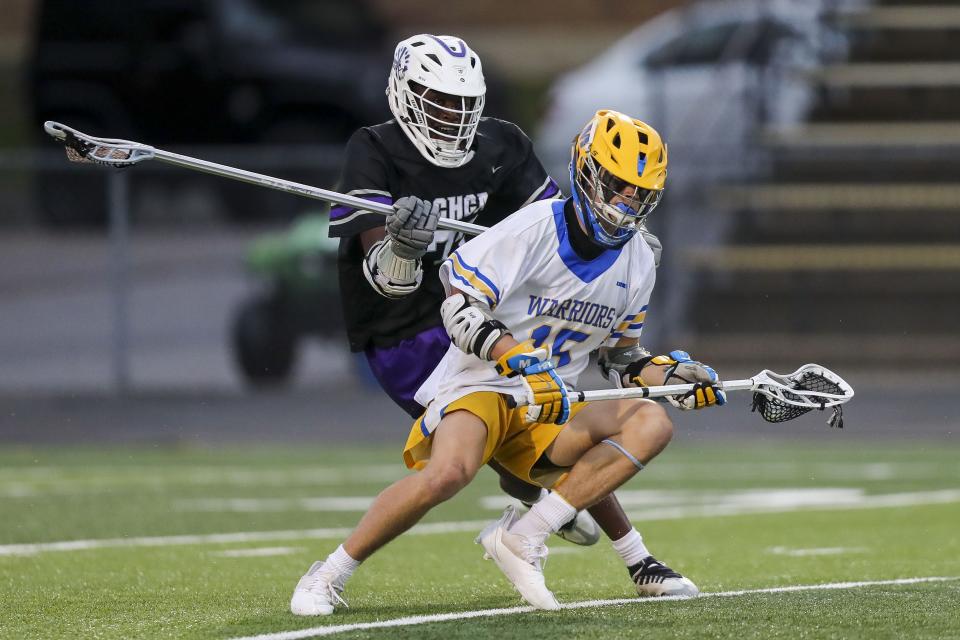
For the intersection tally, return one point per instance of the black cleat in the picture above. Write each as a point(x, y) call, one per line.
point(653, 578)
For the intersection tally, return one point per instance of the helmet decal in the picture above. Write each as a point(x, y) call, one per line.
point(453, 50)
point(401, 62)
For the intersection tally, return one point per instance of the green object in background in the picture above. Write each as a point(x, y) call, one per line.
point(298, 298)
point(300, 257)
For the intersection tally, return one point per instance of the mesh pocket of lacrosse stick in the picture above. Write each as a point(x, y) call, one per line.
point(781, 409)
point(81, 151)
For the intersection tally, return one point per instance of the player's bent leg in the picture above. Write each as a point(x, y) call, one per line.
point(606, 444)
point(645, 430)
point(456, 456)
point(582, 529)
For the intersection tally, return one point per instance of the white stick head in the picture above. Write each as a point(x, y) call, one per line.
point(107, 151)
point(780, 397)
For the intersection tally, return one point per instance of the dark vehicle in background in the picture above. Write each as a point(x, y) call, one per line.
point(297, 297)
point(205, 72)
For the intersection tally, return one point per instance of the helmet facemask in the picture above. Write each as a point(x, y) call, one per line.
point(443, 122)
point(612, 209)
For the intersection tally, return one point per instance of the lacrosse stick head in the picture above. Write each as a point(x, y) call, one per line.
point(779, 397)
point(106, 151)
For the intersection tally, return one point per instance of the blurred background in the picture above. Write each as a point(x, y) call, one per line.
point(811, 213)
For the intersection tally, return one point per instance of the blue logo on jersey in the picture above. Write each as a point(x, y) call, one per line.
point(622, 285)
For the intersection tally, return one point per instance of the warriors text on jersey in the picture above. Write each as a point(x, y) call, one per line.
point(537, 285)
point(381, 165)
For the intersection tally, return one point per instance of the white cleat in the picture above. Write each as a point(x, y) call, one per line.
point(582, 530)
point(317, 593)
point(520, 558)
point(653, 579)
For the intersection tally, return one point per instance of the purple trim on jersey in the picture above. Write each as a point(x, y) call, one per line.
point(341, 211)
point(463, 47)
point(552, 190)
point(401, 369)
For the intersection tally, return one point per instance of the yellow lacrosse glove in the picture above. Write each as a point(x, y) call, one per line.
point(547, 397)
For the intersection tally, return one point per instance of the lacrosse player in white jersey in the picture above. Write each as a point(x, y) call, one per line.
point(528, 301)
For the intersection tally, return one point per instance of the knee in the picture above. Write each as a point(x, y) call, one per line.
point(651, 424)
point(443, 482)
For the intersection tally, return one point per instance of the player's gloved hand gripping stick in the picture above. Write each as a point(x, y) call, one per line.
point(549, 398)
point(682, 369)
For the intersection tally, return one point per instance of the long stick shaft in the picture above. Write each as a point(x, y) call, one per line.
point(654, 392)
point(297, 188)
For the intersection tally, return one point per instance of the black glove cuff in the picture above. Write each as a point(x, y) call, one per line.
point(634, 368)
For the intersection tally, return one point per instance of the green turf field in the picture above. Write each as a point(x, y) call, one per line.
point(143, 563)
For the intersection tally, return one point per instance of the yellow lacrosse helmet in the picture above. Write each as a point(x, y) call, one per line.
point(618, 168)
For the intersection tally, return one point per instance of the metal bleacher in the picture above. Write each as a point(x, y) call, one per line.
point(849, 248)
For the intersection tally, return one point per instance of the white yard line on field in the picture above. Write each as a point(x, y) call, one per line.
point(907, 499)
point(779, 497)
point(225, 538)
point(661, 504)
point(258, 552)
point(330, 630)
point(61, 481)
point(816, 551)
point(256, 505)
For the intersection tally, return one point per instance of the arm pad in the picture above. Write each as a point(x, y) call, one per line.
point(390, 275)
point(471, 326)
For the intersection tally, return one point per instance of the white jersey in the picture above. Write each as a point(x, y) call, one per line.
point(526, 271)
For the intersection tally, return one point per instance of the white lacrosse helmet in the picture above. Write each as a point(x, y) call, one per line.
point(436, 91)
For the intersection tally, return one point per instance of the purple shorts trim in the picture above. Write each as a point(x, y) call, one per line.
point(401, 369)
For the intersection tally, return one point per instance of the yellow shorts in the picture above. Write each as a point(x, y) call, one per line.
point(511, 440)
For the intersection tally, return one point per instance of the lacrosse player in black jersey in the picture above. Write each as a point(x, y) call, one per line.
point(438, 158)
point(465, 167)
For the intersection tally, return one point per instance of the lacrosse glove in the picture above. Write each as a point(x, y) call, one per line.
point(411, 227)
point(684, 370)
point(547, 397)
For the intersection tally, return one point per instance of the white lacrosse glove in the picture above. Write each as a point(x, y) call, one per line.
point(684, 370)
point(411, 227)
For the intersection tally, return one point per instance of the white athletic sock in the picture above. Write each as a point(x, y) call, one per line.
point(341, 562)
point(543, 494)
point(547, 516)
point(631, 548)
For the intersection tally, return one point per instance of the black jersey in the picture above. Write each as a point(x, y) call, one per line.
point(382, 165)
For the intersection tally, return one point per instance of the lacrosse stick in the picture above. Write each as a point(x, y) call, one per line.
point(776, 396)
point(125, 153)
